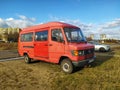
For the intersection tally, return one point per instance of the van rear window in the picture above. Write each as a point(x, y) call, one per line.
point(26, 37)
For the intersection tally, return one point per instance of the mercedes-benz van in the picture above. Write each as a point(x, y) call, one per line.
point(56, 42)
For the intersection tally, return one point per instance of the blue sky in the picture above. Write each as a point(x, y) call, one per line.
point(93, 16)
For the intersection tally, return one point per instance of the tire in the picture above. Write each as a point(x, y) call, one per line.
point(102, 49)
point(27, 59)
point(67, 66)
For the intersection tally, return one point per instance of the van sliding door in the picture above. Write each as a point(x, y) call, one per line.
point(41, 44)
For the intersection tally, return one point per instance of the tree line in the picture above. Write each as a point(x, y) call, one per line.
point(105, 40)
point(9, 34)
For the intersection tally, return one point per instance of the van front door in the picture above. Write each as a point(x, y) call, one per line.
point(56, 45)
point(41, 44)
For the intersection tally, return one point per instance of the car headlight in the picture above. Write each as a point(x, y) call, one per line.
point(77, 52)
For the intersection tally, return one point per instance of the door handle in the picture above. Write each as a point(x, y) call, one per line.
point(50, 44)
point(46, 44)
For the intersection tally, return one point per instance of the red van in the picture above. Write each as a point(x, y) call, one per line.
point(56, 42)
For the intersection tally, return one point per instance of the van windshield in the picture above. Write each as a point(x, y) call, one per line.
point(74, 35)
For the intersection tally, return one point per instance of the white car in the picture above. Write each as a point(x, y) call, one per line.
point(100, 47)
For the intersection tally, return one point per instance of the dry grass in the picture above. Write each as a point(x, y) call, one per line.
point(103, 75)
point(8, 46)
point(16, 75)
point(117, 47)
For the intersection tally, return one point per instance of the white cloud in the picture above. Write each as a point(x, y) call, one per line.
point(3, 23)
point(26, 18)
point(21, 22)
point(86, 28)
point(111, 29)
point(76, 22)
point(113, 24)
point(9, 19)
point(22, 17)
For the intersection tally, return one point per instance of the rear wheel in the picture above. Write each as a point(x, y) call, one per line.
point(27, 59)
point(67, 66)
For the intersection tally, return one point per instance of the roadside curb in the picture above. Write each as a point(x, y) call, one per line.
point(11, 59)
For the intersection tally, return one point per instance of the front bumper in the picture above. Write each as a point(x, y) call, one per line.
point(82, 63)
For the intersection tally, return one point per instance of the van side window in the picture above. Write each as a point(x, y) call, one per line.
point(41, 36)
point(57, 35)
point(27, 37)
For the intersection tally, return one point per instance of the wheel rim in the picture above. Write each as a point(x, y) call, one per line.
point(66, 67)
point(26, 59)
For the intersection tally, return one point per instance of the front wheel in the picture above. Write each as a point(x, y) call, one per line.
point(67, 66)
point(27, 59)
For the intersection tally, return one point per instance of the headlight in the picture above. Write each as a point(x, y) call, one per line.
point(77, 52)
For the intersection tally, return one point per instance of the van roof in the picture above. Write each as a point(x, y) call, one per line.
point(50, 24)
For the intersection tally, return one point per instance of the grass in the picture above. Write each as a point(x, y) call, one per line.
point(8, 46)
point(103, 75)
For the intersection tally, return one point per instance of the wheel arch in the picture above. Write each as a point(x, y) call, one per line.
point(102, 49)
point(62, 58)
point(25, 53)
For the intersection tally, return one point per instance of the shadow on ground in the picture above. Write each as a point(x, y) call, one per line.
point(101, 57)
